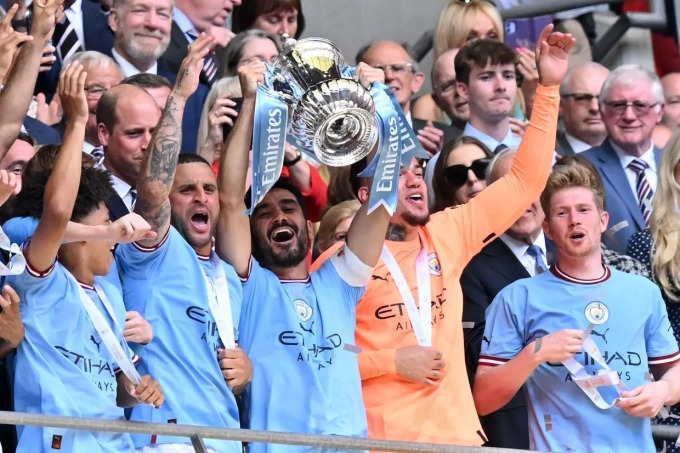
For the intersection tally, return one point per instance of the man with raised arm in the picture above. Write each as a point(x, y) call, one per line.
point(412, 364)
point(191, 298)
point(297, 326)
point(74, 361)
point(581, 337)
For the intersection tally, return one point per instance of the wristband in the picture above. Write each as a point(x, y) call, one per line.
point(297, 159)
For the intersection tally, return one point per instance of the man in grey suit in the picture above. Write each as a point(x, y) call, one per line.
point(631, 104)
point(580, 109)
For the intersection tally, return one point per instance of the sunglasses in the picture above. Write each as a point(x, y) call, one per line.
point(457, 175)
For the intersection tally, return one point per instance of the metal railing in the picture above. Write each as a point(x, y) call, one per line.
point(654, 20)
point(196, 434)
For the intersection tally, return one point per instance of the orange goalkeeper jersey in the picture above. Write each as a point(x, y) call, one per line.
point(398, 409)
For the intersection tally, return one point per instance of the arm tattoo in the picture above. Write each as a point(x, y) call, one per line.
point(158, 168)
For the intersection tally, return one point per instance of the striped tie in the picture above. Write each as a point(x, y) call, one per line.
point(209, 67)
point(98, 154)
point(67, 40)
point(642, 187)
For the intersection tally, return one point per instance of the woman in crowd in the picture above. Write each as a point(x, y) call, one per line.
point(246, 47)
point(460, 23)
point(658, 246)
point(273, 16)
point(335, 224)
point(460, 172)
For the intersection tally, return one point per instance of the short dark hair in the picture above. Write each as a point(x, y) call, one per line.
point(243, 17)
point(95, 187)
point(481, 53)
point(106, 109)
point(284, 184)
point(25, 137)
point(191, 158)
point(146, 80)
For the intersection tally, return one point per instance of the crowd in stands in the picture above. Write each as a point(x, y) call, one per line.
point(523, 293)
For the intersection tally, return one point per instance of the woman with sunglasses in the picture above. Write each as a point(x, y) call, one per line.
point(460, 172)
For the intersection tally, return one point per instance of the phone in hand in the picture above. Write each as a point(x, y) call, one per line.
point(226, 129)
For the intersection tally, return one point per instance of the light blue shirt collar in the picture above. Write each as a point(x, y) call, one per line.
point(182, 21)
point(510, 140)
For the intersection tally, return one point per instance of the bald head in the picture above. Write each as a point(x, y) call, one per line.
point(401, 72)
point(500, 165)
point(445, 94)
point(117, 98)
point(671, 94)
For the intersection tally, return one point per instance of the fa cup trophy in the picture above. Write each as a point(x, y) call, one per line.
point(331, 115)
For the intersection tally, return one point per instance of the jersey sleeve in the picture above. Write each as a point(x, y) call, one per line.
point(498, 206)
point(332, 279)
point(374, 364)
point(350, 268)
point(134, 258)
point(504, 332)
point(662, 347)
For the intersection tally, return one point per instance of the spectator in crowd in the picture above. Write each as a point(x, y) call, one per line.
point(190, 18)
point(126, 119)
point(404, 79)
point(459, 173)
point(67, 296)
point(580, 109)
point(671, 94)
point(581, 308)
point(178, 196)
point(218, 118)
point(272, 16)
point(335, 224)
point(157, 86)
point(414, 381)
point(444, 94)
point(142, 29)
point(84, 27)
point(657, 246)
point(286, 309)
point(459, 23)
point(631, 103)
point(21, 151)
point(102, 74)
point(246, 47)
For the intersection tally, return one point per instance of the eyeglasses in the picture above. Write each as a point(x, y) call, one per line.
point(446, 87)
point(457, 175)
point(639, 108)
point(396, 68)
point(582, 98)
point(95, 91)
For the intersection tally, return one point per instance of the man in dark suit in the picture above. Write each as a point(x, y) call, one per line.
point(631, 103)
point(518, 253)
point(141, 38)
point(579, 109)
point(84, 27)
point(190, 18)
point(121, 109)
point(41, 132)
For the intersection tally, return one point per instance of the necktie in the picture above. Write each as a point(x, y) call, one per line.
point(98, 154)
point(500, 148)
point(209, 67)
point(642, 187)
point(133, 195)
point(536, 253)
point(67, 40)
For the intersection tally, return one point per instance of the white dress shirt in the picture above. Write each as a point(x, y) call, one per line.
point(74, 14)
point(128, 69)
point(520, 248)
point(122, 188)
point(577, 145)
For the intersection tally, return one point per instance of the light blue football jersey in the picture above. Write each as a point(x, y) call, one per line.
point(62, 366)
point(631, 330)
point(166, 284)
point(296, 333)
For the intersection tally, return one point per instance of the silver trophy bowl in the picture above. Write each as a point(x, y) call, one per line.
point(332, 117)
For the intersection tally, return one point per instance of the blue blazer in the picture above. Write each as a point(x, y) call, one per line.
point(192, 111)
point(621, 202)
point(98, 36)
point(41, 132)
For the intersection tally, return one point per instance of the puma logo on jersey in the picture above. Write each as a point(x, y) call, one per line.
point(601, 335)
